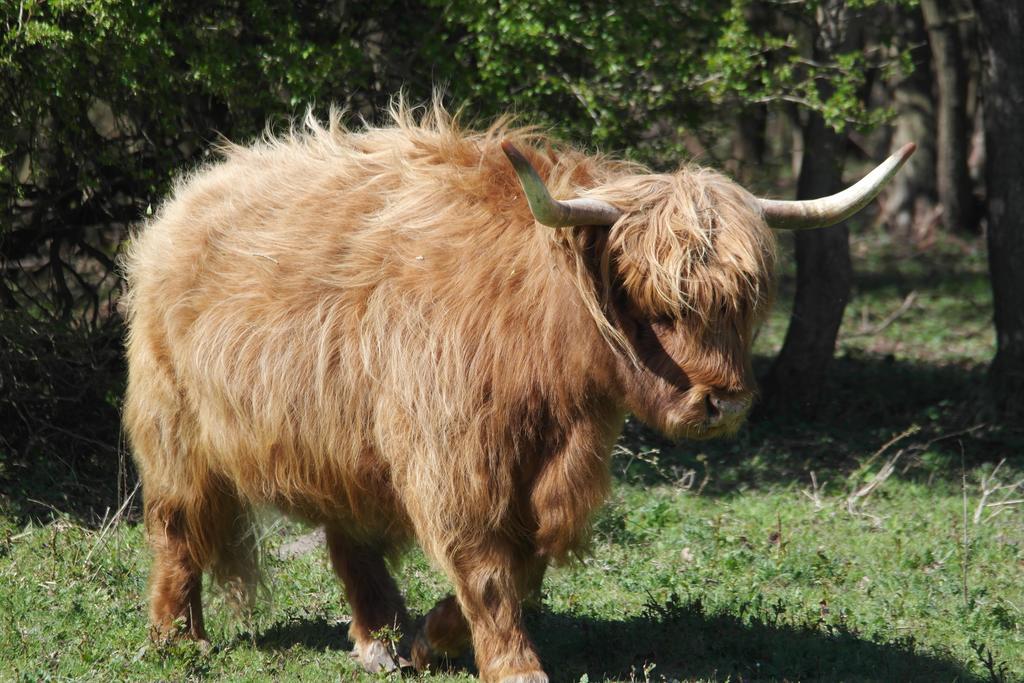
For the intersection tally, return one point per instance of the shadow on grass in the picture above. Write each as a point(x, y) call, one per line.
point(315, 634)
point(937, 274)
point(869, 399)
point(681, 641)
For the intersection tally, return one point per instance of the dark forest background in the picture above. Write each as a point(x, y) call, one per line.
point(105, 102)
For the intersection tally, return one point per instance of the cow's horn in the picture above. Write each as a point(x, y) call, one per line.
point(551, 212)
point(821, 213)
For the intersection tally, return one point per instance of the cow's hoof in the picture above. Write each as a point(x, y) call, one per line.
point(427, 657)
point(423, 656)
point(374, 657)
point(528, 677)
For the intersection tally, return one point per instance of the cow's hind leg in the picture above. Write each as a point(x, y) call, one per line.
point(176, 579)
point(374, 598)
point(201, 526)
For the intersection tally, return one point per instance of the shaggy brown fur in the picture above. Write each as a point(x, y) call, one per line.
point(367, 330)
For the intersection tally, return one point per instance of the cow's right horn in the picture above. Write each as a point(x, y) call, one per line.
point(552, 212)
point(821, 213)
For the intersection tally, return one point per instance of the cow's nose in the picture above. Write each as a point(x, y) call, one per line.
point(726, 407)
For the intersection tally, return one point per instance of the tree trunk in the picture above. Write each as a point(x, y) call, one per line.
point(750, 143)
point(823, 277)
point(953, 180)
point(823, 270)
point(910, 200)
point(1002, 25)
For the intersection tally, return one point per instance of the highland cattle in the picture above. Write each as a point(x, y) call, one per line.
point(398, 334)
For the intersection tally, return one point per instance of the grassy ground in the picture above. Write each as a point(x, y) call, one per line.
point(801, 550)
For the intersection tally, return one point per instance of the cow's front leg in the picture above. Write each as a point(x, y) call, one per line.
point(445, 633)
point(491, 579)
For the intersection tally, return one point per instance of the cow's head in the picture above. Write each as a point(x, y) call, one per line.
point(686, 269)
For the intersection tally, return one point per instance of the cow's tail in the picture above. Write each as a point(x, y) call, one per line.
point(235, 564)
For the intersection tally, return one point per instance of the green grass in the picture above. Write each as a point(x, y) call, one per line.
point(713, 561)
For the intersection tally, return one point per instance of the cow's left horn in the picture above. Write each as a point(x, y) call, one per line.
point(549, 211)
point(821, 213)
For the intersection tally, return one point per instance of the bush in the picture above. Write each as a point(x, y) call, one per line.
point(60, 389)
